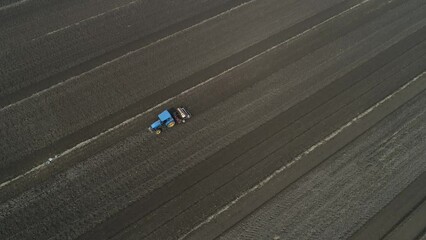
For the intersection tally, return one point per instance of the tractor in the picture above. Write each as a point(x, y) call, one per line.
point(169, 118)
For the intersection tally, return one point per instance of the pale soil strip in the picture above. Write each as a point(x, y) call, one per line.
point(128, 54)
point(300, 156)
point(85, 20)
point(12, 5)
point(123, 124)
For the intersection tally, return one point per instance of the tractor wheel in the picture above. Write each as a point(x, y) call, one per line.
point(158, 131)
point(171, 124)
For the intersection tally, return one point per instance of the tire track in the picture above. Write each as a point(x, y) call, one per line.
point(246, 178)
point(157, 159)
point(92, 130)
point(8, 98)
point(320, 200)
point(219, 160)
point(206, 231)
point(382, 224)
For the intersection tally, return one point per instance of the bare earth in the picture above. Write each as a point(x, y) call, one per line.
point(309, 119)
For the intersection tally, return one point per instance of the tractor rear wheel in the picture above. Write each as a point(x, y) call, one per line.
point(171, 124)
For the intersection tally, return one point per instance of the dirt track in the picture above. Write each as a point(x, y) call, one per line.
point(308, 118)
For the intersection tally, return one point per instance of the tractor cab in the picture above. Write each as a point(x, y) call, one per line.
point(164, 119)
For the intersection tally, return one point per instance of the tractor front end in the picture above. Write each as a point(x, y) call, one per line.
point(155, 127)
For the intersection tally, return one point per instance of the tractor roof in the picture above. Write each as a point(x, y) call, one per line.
point(165, 115)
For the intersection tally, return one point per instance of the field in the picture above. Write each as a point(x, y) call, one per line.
point(309, 119)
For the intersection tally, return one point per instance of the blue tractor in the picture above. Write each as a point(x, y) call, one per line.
point(169, 118)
